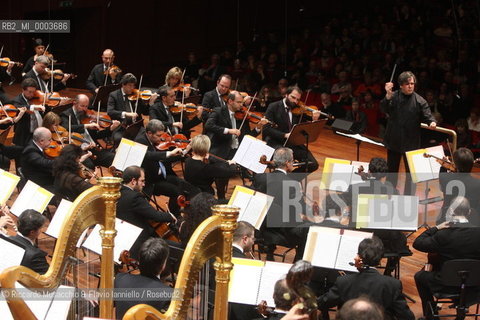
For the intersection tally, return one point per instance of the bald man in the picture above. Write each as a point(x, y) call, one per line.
point(98, 78)
point(90, 130)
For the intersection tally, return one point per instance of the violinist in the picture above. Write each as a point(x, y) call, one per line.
point(214, 98)
point(460, 183)
point(174, 80)
point(69, 180)
point(39, 49)
point(452, 239)
point(201, 170)
point(384, 290)
point(121, 108)
point(159, 175)
point(27, 123)
point(5, 77)
point(76, 116)
point(36, 166)
point(40, 74)
point(161, 110)
point(104, 73)
point(226, 132)
point(280, 113)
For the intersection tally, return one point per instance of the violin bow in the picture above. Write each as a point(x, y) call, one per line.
point(3, 107)
point(139, 89)
point(51, 84)
point(1, 51)
point(248, 110)
point(69, 128)
point(108, 71)
point(98, 113)
point(58, 135)
point(306, 98)
point(236, 85)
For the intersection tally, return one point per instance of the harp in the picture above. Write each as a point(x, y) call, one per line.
point(212, 239)
point(96, 205)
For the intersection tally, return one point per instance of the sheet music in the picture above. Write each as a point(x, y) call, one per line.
point(323, 255)
point(8, 181)
point(380, 211)
point(256, 210)
point(240, 200)
point(31, 197)
point(422, 167)
point(127, 234)
point(44, 307)
point(55, 225)
point(272, 272)
point(129, 153)
point(12, 254)
point(405, 213)
point(360, 137)
point(244, 282)
point(434, 165)
point(249, 152)
point(341, 177)
point(348, 249)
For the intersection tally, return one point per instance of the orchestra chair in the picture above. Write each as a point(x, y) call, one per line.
point(462, 279)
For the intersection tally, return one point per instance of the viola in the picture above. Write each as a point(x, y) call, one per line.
point(309, 110)
point(57, 74)
point(51, 99)
point(112, 69)
point(144, 95)
point(189, 108)
point(60, 134)
point(252, 116)
point(53, 150)
point(128, 264)
point(183, 87)
point(175, 141)
point(272, 165)
point(4, 62)
point(444, 162)
point(104, 120)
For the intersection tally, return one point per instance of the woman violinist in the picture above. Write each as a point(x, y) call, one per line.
point(70, 178)
point(174, 80)
point(39, 49)
point(201, 169)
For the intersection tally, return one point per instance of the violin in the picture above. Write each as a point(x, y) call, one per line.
point(444, 162)
point(9, 110)
point(309, 110)
point(53, 150)
point(52, 99)
point(189, 108)
point(57, 74)
point(252, 116)
point(128, 264)
point(104, 120)
point(112, 69)
point(272, 165)
point(144, 95)
point(175, 141)
point(4, 62)
point(184, 87)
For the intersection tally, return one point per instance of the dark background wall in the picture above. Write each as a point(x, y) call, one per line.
point(151, 36)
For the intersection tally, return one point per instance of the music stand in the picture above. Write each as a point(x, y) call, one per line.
point(103, 93)
point(302, 134)
point(132, 130)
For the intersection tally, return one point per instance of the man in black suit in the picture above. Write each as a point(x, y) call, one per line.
point(30, 225)
point(280, 113)
point(460, 183)
point(225, 133)
point(406, 110)
point(25, 126)
point(214, 98)
point(134, 208)
point(120, 108)
point(39, 70)
point(90, 130)
point(153, 256)
point(160, 177)
point(98, 76)
point(5, 77)
point(384, 290)
point(35, 165)
point(456, 238)
point(160, 110)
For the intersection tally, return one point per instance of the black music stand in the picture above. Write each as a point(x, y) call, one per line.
point(102, 95)
point(132, 130)
point(303, 134)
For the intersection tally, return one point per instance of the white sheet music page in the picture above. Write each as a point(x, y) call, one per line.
point(121, 154)
point(434, 165)
point(8, 181)
point(31, 197)
point(341, 177)
point(57, 220)
point(405, 213)
point(249, 152)
point(348, 249)
point(12, 254)
point(257, 209)
point(244, 281)
point(127, 234)
point(136, 155)
point(241, 200)
point(423, 167)
point(272, 272)
point(317, 251)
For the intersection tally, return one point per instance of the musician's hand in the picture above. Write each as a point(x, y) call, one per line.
point(235, 132)
point(132, 115)
point(85, 156)
point(66, 76)
point(263, 121)
point(10, 66)
point(7, 120)
point(389, 89)
point(153, 98)
point(39, 107)
point(443, 225)
point(178, 125)
point(295, 313)
point(21, 112)
point(287, 135)
point(96, 90)
point(315, 115)
point(433, 125)
point(115, 125)
point(230, 162)
point(6, 221)
point(174, 152)
point(92, 126)
point(199, 112)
